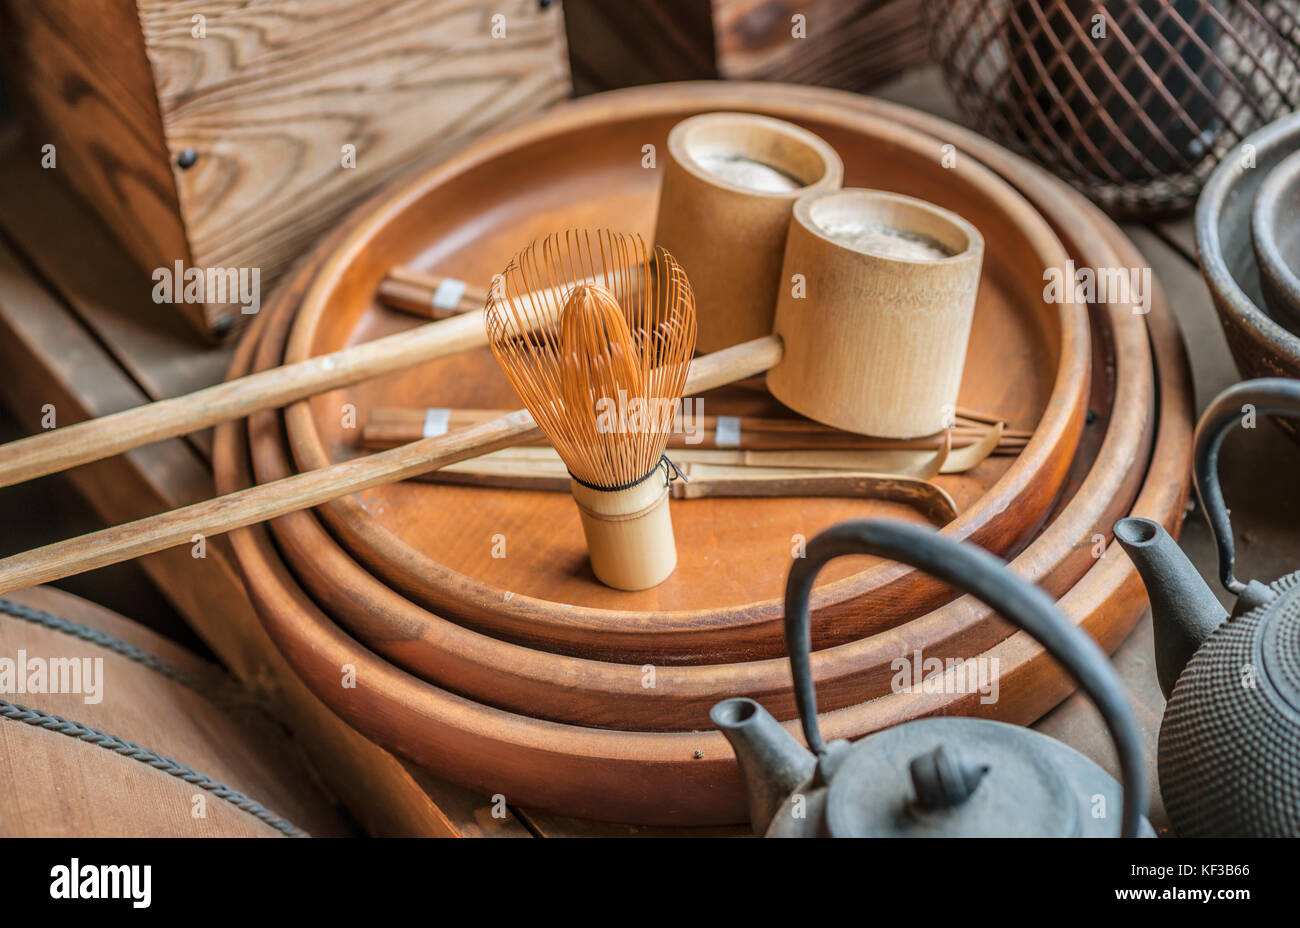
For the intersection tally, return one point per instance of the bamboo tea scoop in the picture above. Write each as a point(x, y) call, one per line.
point(717, 480)
point(388, 427)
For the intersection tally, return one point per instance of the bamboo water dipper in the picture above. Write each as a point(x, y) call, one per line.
point(302, 491)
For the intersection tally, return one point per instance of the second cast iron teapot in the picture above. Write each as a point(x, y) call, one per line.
point(1229, 752)
point(937, 777)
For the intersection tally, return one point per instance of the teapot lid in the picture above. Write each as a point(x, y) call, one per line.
point(949, 777)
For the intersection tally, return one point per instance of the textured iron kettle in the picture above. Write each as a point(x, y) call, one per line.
point(941, 777)
point(1229, 752)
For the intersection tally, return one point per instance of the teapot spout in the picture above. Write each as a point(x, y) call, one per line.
point(772, 762)
point(1184, 610)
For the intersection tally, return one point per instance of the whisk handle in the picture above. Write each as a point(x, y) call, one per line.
point(747, 359)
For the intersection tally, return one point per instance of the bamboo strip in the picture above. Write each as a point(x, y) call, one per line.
point(921, 465)
point(388, 427)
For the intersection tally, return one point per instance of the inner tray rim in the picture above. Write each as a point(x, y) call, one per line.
point(525, 618)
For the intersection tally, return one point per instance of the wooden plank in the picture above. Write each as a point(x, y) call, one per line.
point(109, 294)
point(1179, 234)
point(64, 366)
point(82, 82)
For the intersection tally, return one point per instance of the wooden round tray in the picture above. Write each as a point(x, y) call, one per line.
point(613, 695)
point(1028, 361)
point(690, 777)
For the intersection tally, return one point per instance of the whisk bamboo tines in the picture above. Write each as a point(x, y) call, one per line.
point(602, 375)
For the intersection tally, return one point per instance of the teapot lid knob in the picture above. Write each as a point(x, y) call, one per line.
point(943, 778)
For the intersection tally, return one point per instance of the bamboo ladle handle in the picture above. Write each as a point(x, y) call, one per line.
point(311, 488)
point(95, 439)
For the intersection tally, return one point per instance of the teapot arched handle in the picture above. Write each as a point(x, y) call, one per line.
point(1269, 396)
point(972, 570)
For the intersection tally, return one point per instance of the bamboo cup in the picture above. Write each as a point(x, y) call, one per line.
point(877, 342)
point(729, 236)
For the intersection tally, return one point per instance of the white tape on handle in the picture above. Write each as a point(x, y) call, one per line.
point(726, 434)
point(436, 422)
point(448, 293)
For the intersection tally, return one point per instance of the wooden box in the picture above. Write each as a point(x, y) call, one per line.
point(231, 133)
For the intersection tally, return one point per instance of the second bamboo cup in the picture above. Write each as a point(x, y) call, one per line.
point(729, 183)
point(876, 339)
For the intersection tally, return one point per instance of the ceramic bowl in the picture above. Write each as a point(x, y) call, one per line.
point(1275, 233)
point(1260, 345)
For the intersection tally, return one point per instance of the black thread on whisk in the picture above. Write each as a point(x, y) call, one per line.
point(665, 463)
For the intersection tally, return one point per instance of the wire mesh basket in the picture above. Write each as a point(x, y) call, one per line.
point(1133, 101)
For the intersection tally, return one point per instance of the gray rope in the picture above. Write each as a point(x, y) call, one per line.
point(95, 636)
point(39, 719)
point(219, 690)
point(118, 745)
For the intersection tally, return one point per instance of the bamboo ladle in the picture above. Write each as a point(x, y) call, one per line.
point(100, 438)
point(302, 491)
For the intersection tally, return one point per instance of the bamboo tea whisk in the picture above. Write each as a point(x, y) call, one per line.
point(602, 373)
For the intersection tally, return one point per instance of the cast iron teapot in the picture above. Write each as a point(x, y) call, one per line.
point(941, 777)
point(1229, 753)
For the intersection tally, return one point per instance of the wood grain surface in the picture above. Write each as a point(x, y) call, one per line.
point(82, 81)
point(849, 44)
point(270, 97)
